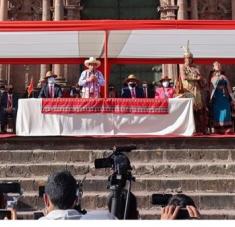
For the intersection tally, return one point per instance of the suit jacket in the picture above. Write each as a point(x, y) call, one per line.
point(126, 93)
point(44, 93)
point(4, 99)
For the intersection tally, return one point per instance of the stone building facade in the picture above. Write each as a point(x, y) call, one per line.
point(105, 9)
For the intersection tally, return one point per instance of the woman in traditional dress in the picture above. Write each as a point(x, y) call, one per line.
point(221, 100)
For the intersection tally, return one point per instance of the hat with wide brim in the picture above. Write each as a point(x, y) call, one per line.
point(92, 60)
point(50, 74)
point(132, 77)
point(164, 78)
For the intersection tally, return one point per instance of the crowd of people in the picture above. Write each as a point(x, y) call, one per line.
point(213, 98)
point(61, 199)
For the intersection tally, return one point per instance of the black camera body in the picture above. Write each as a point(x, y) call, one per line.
point(10, 187)
point(120, 165)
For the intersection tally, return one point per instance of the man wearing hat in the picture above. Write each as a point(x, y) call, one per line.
point(91, 79)
point(165, 91)
point(51, 89)
point(132, 90)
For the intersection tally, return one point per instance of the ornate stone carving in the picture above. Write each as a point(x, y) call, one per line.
point(15, 7)
point(214, 9)
point(36, 7)
point(167, 10)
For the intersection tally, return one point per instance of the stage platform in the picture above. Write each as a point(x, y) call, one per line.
point(104, 142)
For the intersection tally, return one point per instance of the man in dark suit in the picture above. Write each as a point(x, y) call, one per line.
point(9, 105)
point(132, 90)
point(51, 89)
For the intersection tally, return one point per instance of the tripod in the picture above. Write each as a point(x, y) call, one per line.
point(121, 197)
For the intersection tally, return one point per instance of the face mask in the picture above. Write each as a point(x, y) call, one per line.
point(51, 80)
point(10, 91)
point(144, 85)
point(165, 83)
point(132, 84)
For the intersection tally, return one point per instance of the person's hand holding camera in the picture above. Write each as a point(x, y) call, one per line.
point(169, 212)
point(193, 212)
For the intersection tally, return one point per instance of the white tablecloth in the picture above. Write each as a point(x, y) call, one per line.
point(31, 122)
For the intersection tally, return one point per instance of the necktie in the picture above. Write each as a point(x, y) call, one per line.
point(51, 92)
point(145, 93)
point(9, 101)
point(133, 93)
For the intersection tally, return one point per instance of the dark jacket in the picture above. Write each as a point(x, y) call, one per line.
point(126, 93)
point(44, 93)
point(4, 99)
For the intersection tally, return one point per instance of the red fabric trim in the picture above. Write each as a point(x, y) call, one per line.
point(113, 61)
point(116, 106)
point(97, 25)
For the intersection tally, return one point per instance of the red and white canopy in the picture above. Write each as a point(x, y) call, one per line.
point(120, 41)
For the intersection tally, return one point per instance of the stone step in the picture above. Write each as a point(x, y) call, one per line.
point(165, 169)
point(94, 200)
point(157, 184)
point(144, 156)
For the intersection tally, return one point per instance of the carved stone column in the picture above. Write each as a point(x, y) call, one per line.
point(168, 12)
point(183, 10)
point(59, 15)
point(3, 16)
point(73, 8)
point(194, 9)
point(233, 9)
point(46, 15)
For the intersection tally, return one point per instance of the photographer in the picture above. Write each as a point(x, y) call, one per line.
point(180, 206)
point(132, 212)
point(3, 207)
point(60, 197)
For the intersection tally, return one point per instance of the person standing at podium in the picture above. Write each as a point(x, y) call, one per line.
point(91, 79)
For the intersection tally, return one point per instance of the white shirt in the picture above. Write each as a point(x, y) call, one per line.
point(69, 214)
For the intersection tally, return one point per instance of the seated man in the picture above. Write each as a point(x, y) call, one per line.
point(132, 90)
point(50, 89)
point(60, 197)
point(9, 105)
point(165, 91)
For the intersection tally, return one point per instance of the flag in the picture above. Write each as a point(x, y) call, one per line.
point(30, 87)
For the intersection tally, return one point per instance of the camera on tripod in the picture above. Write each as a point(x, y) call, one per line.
point(121, 167)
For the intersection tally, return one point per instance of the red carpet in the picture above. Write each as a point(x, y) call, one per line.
point(11, 135)
point(7, 135)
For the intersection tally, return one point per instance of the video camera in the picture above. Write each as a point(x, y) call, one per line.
point(121, 175)
point(163, 200)
point(119, 163)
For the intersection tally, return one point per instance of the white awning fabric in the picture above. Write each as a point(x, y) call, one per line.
point(126, 39)
point(121, 44)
